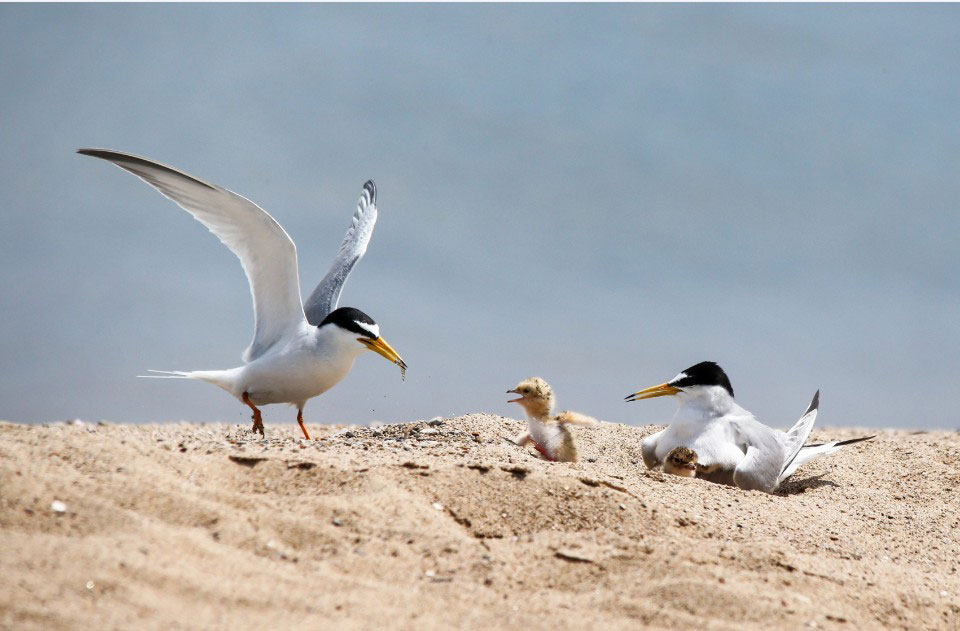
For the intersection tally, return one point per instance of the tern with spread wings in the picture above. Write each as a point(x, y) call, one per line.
point(298, 351)
point(729, 445)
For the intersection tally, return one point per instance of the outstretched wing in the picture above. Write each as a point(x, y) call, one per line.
point(569, 417)
point(266, 252)
point(326, 296)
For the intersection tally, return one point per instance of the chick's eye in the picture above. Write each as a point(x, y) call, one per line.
point(526, 390)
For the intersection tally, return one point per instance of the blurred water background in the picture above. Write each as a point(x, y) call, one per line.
point(600, 195)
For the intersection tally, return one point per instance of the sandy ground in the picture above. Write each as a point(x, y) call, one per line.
point(443, 524)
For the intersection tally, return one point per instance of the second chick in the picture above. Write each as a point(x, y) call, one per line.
point(547, 432)
point(681, 461)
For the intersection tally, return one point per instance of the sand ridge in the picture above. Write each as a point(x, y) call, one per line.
point(446, 524)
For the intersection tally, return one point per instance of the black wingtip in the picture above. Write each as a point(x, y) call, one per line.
point(96, 153)
point(125, 160)
point(371, 190)
point(815, 404)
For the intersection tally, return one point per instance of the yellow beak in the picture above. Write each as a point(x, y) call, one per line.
point(662, 390)
point(380, 347)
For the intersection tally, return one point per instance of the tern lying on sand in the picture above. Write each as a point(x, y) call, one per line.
point(297, 352)
point(728, 444)
point(547, 432)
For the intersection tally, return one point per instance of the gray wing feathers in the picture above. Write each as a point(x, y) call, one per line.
point(763, 459)
point(326, 296)
point(267, 253)
point(758, 470)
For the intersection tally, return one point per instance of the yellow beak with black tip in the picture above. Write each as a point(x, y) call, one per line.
point(664, 389)
point(380, 347)
point(520, 398)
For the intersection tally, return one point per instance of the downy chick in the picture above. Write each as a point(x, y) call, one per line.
point(681, 461)
point(547, 433)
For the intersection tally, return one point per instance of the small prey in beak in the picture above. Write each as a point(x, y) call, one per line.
point(380, 346)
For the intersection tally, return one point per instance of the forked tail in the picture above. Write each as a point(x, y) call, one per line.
point(811, 452)
point(166, 374)
point(220, 378)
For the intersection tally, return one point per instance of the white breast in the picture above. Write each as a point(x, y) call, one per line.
point(548, 436)
point(305, 368)
point(713, 440)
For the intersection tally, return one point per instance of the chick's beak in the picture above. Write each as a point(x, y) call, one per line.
point(664, 389)
point(380, 347)
point(520, 398)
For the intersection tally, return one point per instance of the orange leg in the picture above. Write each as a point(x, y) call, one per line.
point(257, 420)
point(303, 427)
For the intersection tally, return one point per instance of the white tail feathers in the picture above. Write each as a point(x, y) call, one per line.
point(166, 374)
point(575, 418)
point(811, 452)
point(220, 378)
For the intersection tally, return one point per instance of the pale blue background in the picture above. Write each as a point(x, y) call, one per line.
point(601, 195)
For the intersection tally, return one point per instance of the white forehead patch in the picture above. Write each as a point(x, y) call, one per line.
point(373, 329)
point(682, 375)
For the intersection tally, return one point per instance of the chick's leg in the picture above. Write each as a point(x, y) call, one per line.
point(544, 452)
point(523, 439)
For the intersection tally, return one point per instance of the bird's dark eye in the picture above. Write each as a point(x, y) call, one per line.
point(526, 390)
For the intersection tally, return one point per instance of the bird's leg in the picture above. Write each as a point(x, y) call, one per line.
point(543, 452)
point(257, 420)
point(523, 439)
point(303, 427)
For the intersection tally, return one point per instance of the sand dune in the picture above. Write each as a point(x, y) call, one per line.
point(447, 525)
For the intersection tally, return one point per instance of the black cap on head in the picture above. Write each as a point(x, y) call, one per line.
point(703, 374)
point(353, 320)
